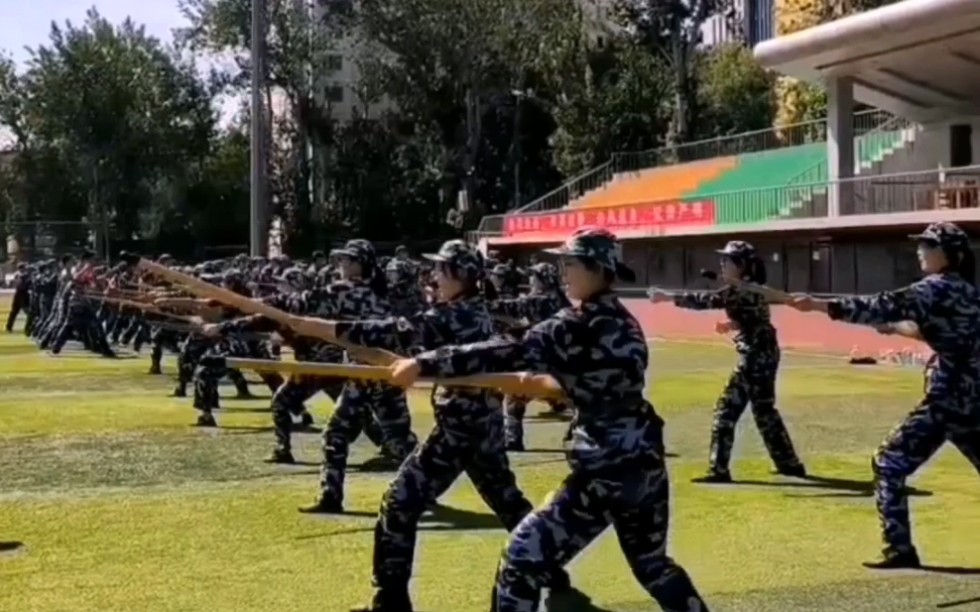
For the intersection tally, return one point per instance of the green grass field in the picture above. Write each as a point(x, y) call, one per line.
point(122, 505)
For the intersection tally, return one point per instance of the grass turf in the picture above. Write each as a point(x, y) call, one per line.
point(122, 505)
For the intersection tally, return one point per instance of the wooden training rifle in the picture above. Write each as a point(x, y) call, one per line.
point(512, 383)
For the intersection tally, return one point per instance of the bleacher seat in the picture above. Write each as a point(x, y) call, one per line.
point(664, 184)
point(749, 188)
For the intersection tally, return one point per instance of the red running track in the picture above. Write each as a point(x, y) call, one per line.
point(797, 330)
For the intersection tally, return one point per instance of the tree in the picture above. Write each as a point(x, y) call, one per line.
point(107, 120)
point(623, 104)
point(735, 94)
point(672, 30)
point(450, 65)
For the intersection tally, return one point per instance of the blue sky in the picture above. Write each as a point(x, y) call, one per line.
point(26, 23)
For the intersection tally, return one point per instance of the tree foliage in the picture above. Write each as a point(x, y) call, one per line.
point(488, 103)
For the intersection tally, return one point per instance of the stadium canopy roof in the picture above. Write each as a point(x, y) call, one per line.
point(917, 58)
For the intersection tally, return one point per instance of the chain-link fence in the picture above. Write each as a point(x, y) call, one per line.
point(26, 241)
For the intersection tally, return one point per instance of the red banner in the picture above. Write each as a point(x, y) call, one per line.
point(651, 217)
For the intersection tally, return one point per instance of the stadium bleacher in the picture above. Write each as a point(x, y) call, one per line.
point(726, 181)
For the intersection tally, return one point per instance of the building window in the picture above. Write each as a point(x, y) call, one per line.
point(335, 93)
point(335, 63)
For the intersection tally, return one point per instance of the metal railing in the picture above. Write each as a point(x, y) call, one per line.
point(781, 137)
point(737, 144)
point(875, 194)
point(867, 146)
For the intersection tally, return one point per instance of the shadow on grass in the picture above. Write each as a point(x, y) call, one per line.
point(956, 604)
point(232, 409)
point(246, 429)
point(10, 547)
point(952, 570)
point(845, 487)
point(254, 429)
point(562, 451)
point(440, 518)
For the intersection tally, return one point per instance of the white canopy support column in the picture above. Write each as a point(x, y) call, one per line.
point(840, 143)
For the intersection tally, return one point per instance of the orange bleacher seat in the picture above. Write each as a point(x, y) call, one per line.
point(657, 184)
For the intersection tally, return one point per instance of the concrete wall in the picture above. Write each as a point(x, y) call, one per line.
point(931, 147)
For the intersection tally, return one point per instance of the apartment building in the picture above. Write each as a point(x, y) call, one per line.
point(752, 21)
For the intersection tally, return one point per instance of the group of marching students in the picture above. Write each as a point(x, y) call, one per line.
point(459, 313)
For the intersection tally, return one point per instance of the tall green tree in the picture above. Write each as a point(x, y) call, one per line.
point(107, 120)
point(735, 94)
point(621, 101)
point(671, 29)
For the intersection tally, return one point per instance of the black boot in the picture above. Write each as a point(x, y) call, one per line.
point(895, 559)
point(281, 455)
point(328, 503)
point(389, 599)
point(713, 477)
point(796, 471)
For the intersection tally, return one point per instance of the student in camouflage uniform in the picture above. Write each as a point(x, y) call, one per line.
point(361, 294)
point(544, 300)
point(78, 317)
point(22, 291)
point(230, 344)
point(945, 306)
point(598, 354)
point(468, 434)
point(404, 292)
point(297, 297)
point(754, 378)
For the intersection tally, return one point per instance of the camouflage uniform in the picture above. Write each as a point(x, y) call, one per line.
point(289, 399)
point(598, 354)
point(22, 283)
point(754, 377)
point(403, 288)
point(533, 308)
point(351, 300)
point(467, 437)
point(946, 309)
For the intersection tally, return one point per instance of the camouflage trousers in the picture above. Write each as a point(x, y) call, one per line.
point(753, 381)
point(427, 473)
point(515, 409)
point(206, 378)
point(289, 400)
point(81, 323)
point(357, 404)
point(634, 501)
point(903, 451)
point(161, 339)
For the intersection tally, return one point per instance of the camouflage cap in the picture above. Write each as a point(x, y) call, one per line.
point(357, 249)
point(545, 272)
point(398, 271)
point(461, 255)
point(738, 249)
point(232, 275)
point(944, 234)
point(598, 245)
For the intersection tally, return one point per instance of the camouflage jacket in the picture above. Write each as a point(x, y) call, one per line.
point(460, 321)
point(598, 354)
point(946, 309)
point(748, 310)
